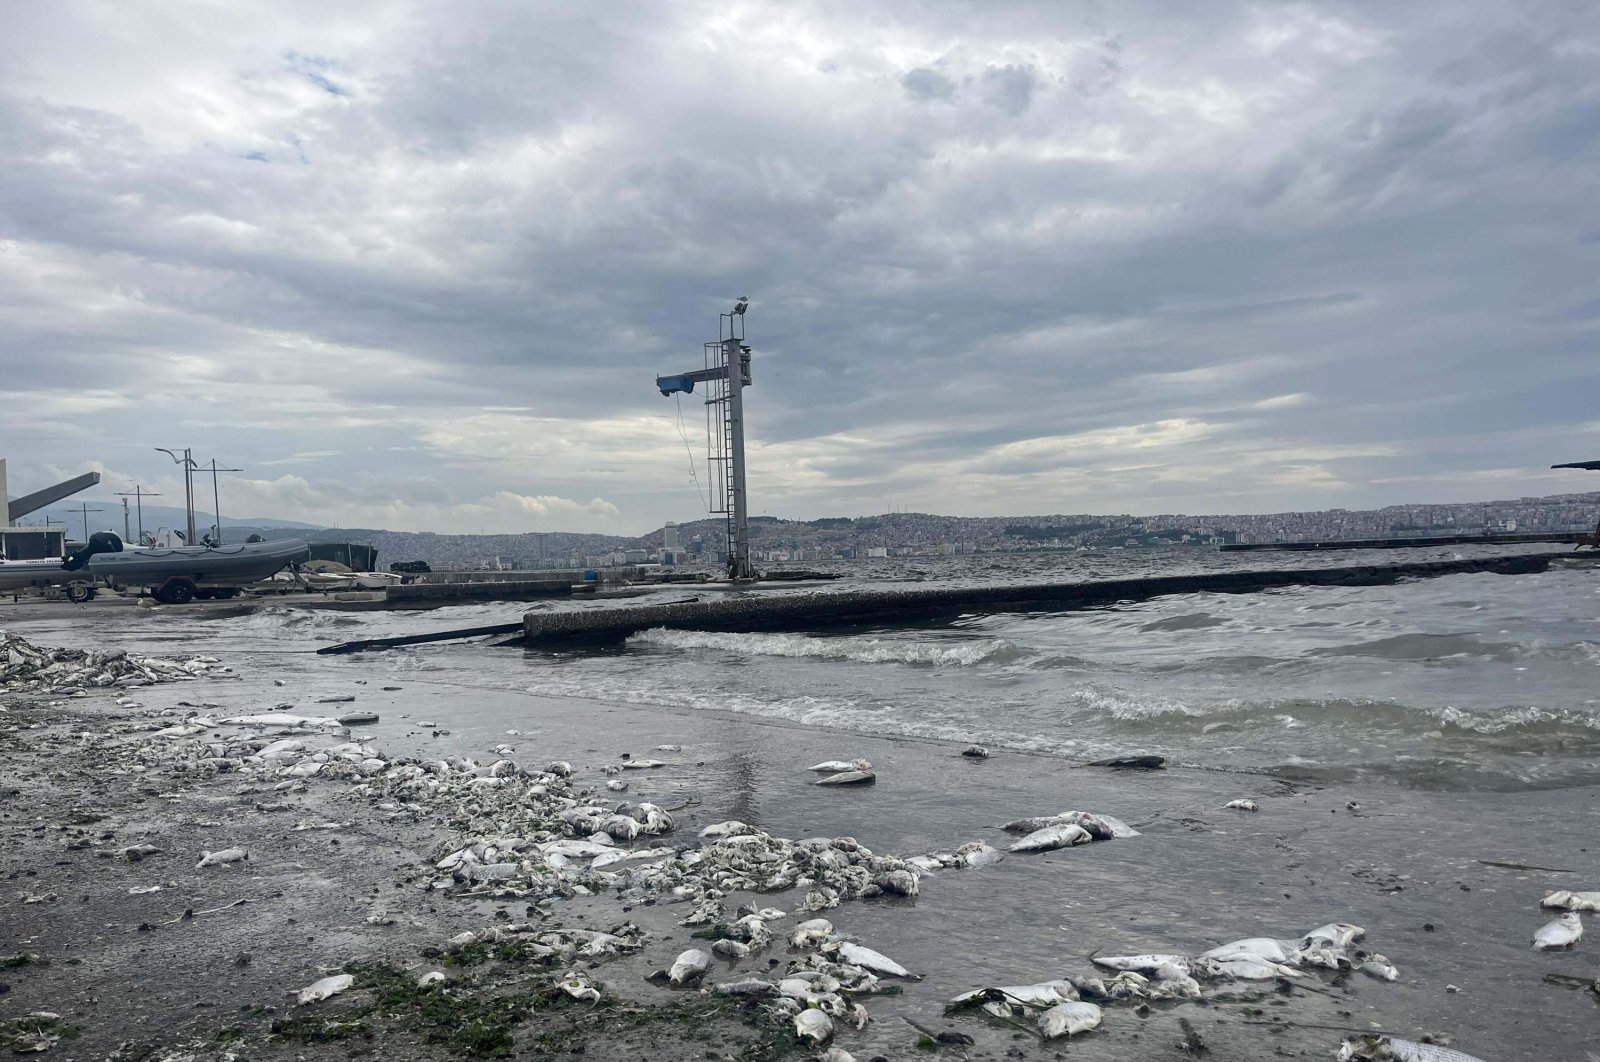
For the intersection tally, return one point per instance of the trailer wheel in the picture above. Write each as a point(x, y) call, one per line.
point(158, 594)
point(226, 592)
point(177, 592)
point(78, 593)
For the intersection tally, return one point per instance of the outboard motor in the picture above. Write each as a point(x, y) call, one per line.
point(99, 542)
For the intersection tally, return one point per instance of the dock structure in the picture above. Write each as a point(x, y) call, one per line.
point(824, 609)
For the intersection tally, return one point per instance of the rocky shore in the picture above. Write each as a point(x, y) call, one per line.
point(202, 863)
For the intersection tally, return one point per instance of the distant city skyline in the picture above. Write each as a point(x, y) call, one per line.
point(418, 267)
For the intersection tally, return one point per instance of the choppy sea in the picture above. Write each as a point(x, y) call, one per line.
point(1459, 682)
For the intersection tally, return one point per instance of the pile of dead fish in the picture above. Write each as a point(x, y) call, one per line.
point(1374, 1048)
point(1567, 928)
point(816, 994)
point(27, 668)
point(844, 772)
point(1065, 830)
point(1071, 1005)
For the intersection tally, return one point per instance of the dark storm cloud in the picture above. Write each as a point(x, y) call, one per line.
point(420, 267)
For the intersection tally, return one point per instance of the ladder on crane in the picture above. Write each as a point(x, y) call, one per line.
point(726, 373)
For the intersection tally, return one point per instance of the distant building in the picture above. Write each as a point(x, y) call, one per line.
point(635, 556)
point(669, 536)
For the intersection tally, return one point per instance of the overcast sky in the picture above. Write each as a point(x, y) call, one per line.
point(416, 266)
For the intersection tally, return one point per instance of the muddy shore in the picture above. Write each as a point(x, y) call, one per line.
point(134, 976)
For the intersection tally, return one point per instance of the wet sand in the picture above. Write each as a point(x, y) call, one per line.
point(1404, 864)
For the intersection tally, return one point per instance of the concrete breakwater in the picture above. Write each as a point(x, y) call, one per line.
point(858, 607)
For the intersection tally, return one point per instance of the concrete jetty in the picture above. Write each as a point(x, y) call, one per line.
point(795, 612)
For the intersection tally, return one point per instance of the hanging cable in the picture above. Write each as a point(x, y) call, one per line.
point(694, 473)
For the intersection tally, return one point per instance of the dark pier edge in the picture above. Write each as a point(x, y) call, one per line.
point(823, 609)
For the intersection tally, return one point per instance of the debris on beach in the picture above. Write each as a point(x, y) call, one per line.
point(1243, 804)
point(1562, 932)
point(1138, 763)
point(975, 752)
point(1372, 1048)
point(689, 966)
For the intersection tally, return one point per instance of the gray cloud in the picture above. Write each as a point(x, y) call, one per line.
point(421, 266)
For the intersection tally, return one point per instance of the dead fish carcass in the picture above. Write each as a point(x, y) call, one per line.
point(1141, 963)
point(850, 778)
point(835, 766)
point(813, 1026)
point(1063, 835)
point(1567, 900)
point(1243, 805)
point(689, 966)
point(320, 990)
point(643, 765)
point(227, 855)
point(1066, 1019)
point(867, 959)
point(1259, 947)
point(1562, 932)
point(1393, 1049)
point(810, 933)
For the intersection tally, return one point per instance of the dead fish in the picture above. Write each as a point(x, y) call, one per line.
point(227, 855)
point(870, 960)
point(1051, 837)
point(899, 882)
point(978, 854)
point(835, 766)
point(1377, 966)
point(1563, 932)
point(580, 989)
point(1047, 992)
point(975, 752)
point(749, 987)
point(1141, 963)
point(730, 828)
point(136, 852)
point(731, 949)
point(689, 966)
point(641, 765)
point(1064, 1019)
point(1339, 934)
point(1243, 805)
point(811, 932)
point(813, 1025)
point(836, 1054)
point(1567, 900)
point(669, 748)
point(617, 786)
point(431, 978)
point(1251, 968)
point(850, 778)
point(1259, 947)
point(320, 990)
point(1394, 1049)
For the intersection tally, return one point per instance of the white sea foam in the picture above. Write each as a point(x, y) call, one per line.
point(861, 650)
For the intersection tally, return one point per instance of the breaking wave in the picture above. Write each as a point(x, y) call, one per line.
point(861, 650)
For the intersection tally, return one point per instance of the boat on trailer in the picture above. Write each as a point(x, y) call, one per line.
point(178, 574)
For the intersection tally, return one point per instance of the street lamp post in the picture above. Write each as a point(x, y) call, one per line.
point(188, 485)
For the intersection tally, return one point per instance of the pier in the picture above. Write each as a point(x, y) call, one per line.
point(823, 609)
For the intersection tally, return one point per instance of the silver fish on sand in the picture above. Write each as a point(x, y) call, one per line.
point(868, 959)
point(813, 1025)
point(835, 766)
point(850, 778)
point(1243, 805)
point(1562, 932)
point(1394, 1049)
point(317, 991)
point(689, 966)
point(227, 855)
point(1566, 900)
point(1065, 1019)
point(1051, 837)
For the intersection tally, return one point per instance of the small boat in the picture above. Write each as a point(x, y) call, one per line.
point(176, 574)
point(35, 574)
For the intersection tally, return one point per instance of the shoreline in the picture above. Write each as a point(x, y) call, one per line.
point(1180, 886)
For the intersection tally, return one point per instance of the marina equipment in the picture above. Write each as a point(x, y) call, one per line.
point(138, 494)
point(726, 374)
point(216, 502)
point(187, 461)
point(28, 503)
